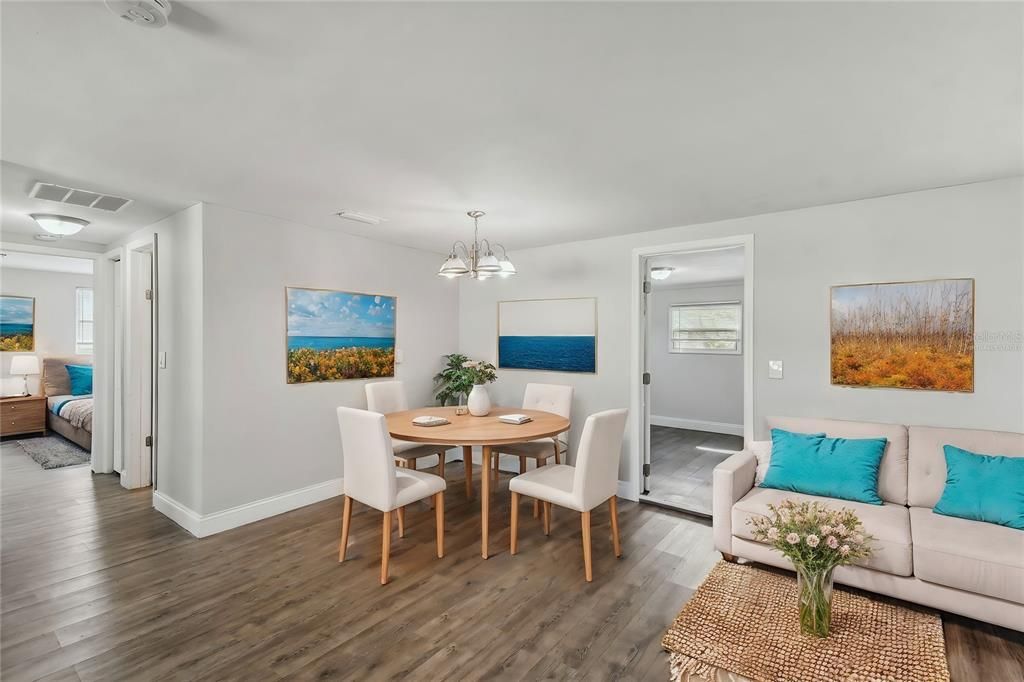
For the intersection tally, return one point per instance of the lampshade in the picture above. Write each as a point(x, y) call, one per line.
point(507, 269)
point(488, 263)
point(59, 224)
point(24, 364)
point(453, 267)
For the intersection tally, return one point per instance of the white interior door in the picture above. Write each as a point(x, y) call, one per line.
point(119, 362)
point(138, 373)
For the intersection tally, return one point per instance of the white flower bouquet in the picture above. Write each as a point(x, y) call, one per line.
point(816, 538)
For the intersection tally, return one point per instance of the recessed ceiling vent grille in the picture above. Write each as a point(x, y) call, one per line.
point(78, 197)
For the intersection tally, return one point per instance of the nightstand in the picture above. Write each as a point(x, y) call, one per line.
point(23, 414)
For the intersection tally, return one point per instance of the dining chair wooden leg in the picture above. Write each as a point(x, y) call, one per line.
point(547, 517)
point(536, 503)
point(346, 520)
point(401, 521)
point(439, 522)
point(613, 509)
point(385, 549)
point(440, 463)
point(467, 458)
point(587, 559)
point(522, 465)
point(558, 459)
point(514, 524)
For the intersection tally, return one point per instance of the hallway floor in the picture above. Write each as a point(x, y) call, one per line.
point(680, 472)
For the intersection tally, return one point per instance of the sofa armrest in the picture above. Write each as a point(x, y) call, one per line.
point(731, 480)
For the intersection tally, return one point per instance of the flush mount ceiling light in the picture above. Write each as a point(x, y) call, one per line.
point(477, 260)
point(361, 217)
point(148, 13)
point(661, 272)
point(60, 225)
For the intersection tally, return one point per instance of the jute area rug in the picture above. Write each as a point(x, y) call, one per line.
point(742, 624)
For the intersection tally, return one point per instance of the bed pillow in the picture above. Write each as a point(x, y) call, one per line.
point(987, 488)
point(811, 463)
point(81, 379)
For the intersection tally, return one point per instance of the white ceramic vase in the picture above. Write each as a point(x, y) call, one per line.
point(479, 401)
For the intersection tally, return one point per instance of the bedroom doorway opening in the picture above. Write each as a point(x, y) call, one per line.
point(47, 345)
point(694, 360)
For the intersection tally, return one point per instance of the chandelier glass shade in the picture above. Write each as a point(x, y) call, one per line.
point(477, 260)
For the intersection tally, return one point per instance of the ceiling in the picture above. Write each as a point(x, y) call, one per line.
point(104, 227)
point(700, 268)
point(41, 261)
point(563, 121)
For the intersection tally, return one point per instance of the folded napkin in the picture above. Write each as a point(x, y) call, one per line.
point(514, 418)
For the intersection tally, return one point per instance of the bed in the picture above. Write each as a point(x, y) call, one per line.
point(68, 415)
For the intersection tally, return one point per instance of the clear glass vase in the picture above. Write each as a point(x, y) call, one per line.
point(814, 590)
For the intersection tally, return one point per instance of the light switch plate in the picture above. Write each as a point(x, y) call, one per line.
point(398, 357)
point(775, 369)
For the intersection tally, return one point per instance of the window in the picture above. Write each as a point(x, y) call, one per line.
point(706, 328)
point(83, 321)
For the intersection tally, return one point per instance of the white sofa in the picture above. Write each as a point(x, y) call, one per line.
point(966, 567)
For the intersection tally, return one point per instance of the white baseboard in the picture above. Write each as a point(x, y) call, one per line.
point(203, 525)
point(698, 425)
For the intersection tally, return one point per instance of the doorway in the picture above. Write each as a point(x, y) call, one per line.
point(696, 369)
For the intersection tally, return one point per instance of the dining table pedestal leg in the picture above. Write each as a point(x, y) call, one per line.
point(467, 457)
point(485, 500)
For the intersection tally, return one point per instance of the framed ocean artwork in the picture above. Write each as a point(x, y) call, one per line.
point(915, 335)
point(338, 335)
point(17, 323)
point(551, 334)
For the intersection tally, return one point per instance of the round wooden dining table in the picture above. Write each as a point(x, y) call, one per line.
point(467, 431)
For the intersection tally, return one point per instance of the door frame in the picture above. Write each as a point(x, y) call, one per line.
point(639, 428)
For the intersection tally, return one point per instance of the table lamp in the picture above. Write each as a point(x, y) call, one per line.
point(23, 366)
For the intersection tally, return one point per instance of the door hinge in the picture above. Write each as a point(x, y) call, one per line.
point(647, 286)
point(647, 379)
point(647, 470)
point(149, 441)
point(149, 294)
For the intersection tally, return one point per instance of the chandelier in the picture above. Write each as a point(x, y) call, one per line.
point(478, 260)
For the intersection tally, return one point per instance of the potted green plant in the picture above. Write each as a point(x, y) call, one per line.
point(453, 381)
point(816, 539)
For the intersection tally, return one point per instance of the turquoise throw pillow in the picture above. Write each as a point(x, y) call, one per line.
point(811, 463)
point(986, 488)
point(81, 379)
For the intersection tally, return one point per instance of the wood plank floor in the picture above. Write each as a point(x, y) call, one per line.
point(680, 473)
point(96, 585)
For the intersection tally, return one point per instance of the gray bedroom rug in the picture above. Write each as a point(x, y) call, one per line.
point(53, 452)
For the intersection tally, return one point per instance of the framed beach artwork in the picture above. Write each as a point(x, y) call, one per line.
point(552, 334)
point(338, 335)
point(17, 323)
point(916, 335)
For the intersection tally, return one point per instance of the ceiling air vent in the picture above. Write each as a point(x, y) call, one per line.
point(78, 197)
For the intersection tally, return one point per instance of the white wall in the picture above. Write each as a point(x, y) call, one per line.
point(179, 301)
point(55, 316)
point(966, 231)
point(262, 436)
point(693, 387)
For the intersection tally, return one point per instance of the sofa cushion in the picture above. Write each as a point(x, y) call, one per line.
point(844, 468)
point(889, 524)
point(968, 555)
point(892, 474)
point(928, 461)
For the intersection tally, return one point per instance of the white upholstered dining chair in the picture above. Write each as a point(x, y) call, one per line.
point(389, 396)
point(372, 478)
point(593, 481)
point(553, 398)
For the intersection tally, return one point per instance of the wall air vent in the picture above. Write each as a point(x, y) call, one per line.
point(78, 197)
